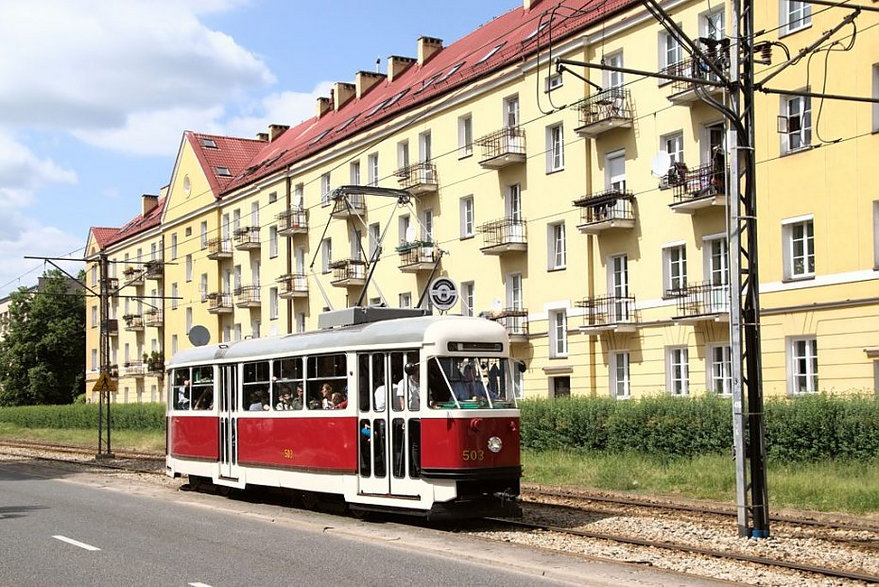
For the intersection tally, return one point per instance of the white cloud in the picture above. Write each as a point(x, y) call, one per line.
point(277, 108)
point(21, 172)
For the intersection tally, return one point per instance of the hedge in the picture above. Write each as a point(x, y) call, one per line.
point(123, 416)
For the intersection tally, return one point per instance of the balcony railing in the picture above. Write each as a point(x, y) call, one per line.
point(133, 322)
point(418, 178)
point(134, 369)
point(514, 320)
point(609, 313)
point(701, 187)
point(417, 256)
point(701, 301)
point(351, 205)
point(604, 111)
point(219, 303)
point(153, 318)
point(219, 248)
point(247, 238)
point(503, 147)
point(613, 208)
point(293, 221)
point(247, 296)
point(113, 327)
point(293, 285)
point(133, 276)
point(348, 272)
point(506, 235)
point(684, 92)
point(154, 270)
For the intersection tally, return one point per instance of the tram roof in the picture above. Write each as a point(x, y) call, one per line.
point(401, 331)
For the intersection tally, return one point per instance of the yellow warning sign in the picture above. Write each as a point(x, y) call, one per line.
point(104, 383)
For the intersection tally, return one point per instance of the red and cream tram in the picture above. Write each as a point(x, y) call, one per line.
point(411, 414)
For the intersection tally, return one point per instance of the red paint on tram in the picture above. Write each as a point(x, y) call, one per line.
point(307, 443)
point(462, 443)
point(195, 437)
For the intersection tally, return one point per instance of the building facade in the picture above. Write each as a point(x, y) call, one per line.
point(588, 217)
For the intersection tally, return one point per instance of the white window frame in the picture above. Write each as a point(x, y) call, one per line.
point(468, 298)
point(326, 250)
point(511, 111)
point(405, 300)
point(613, 79)
point(273, 303)
point(552, 82)
point(673, 144)
point(325, 189)
point(802, 365)
point(800, 139)
point(619, 364)
point(403, 154)
point(798, 263)
point(468, 215)
point(670, 51)
point(203, 228)
point(558, 333)
point(515, 298)
point(556, 246)
point(372, 169)
point(712, 24)
point(615, 171)
point(273, 242)
point(188, 267)
point(173, 247)
point(794, 16)
point(674, 267)
point(425, 146)
point(714, 274)
point(718, 372)
point(677, 370)
point(354, 172)
point(465, 136)
point(555, 147)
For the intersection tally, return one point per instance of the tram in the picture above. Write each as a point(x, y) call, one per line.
point(392, 412)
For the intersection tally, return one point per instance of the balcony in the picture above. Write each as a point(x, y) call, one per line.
point(220, 303)
point(219, 248)
point(247, 296)
point(506, 235)
point(293, 285)
point(135, 369)
point(514, 320)
point(153, 318)
point(603, 112)
point(154, 270)
point(113, 285)
point(702, 187)
point(608, 314)
point(685, 92)
point(502, 148)
point(112, 326)
point(133, 276)
point(701, 302)
point(350, 206)
point(133, 322)
point(247, 238)
point(348, 272)
point(417, 256)
point(292, 222)
point(419, 178)
point(607, 210)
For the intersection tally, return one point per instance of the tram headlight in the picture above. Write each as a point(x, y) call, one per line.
point(495, 444)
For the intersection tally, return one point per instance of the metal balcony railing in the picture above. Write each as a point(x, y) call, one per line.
point(348, 272)
point(219, 302)
point(417, 256)
point(683, 91)
point(133, 275)
point(293, 285)
point(705, 181)
point(247, 296)
point(219, 248)
point(154, 269)
point(134, 369)
point(503, 147)
point(418, 178)
point(608, 312)
point(514, 320)
point(153, 318)
point(293, 221)
point(247, 238)
point(703, 299)
point(349, 205)
point(133, 322)
point(604, 111)
point(504, 235)
point(612, 208)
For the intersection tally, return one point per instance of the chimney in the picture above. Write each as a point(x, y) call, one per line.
point(529, 4)
point(397, 65)
point(364, 80)
point(342, 92)
point(323, 106)
point(147, 203)
point(427, 46)
point(262, 136)
point(276, 130)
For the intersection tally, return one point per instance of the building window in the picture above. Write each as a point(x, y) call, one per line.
point(560, 387)
point(719, 369)
point(795, 15)
point(427, 225)
point(511, 111)
point(273, 303)
point(799, 249)
point(203, 227)
point(403, 224)
point(677, 370)
point(94, 316)
point(465, 136)
point(273, 197)
point(716, 261)
point(326, 249)
point(674, 269)
point(188, 319)
point(273, 241)
point(174, 345)
point(555, 148)
point(796, 123)
point(803, 365)
point(299, 196)
point(613, 79)
point(354, 172)
point(558, 334)
point(615, 171)
point(203, 287)
point(620, 377)
point(670, 51)
point(514, 291)
point(325, 190)
point(405, 300)
point(424, 146)
point(553, 81)
point(173, 246)
point(468, 298)
point(188, 268)
point(372, 169)
point(300, 322)
point(374, 233)
point(403, 154)
point(467, 215)
point(557, 248)
point(712, 25)
point(673, 144)
point(174, 295)
point(94, 359)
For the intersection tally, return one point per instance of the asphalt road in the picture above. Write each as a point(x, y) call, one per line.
point(60, 526)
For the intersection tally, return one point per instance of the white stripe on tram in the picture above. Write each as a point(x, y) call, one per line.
point(76, 543)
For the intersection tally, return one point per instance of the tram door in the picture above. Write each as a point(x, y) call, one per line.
point(228, 393)
point(387, 460)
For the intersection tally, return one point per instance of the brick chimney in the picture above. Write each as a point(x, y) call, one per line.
point(262, 136)
point(364, 80)
point(397, 65)
point(529, 4)
point(427, 46)
point(342, 92)
point(323, 106)
point(276, 130)
point(147, 203)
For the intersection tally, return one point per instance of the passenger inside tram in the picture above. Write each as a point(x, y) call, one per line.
point(471, 382)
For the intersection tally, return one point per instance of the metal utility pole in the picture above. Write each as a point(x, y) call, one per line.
point(104, 386)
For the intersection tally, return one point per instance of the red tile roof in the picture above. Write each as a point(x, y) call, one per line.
point(517, 32)
point(103, 235)
point(216, 152)
point(109, 236)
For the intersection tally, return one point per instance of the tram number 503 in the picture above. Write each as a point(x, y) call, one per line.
point(472, 455)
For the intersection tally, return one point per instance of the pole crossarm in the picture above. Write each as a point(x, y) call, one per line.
point(818, 95)
point(402, 196)
point(680, 78)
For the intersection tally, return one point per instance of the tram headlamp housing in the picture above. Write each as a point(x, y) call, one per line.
point(495, 444)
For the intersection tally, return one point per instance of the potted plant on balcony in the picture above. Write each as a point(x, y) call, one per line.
point(155, 361)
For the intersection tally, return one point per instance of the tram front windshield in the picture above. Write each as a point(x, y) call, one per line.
point(470, 382)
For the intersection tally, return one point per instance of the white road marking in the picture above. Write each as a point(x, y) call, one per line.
point(76, 543)
point(199, 585)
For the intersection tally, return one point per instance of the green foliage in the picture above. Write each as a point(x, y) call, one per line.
point(42, 354)
point(85, 416)
point(799, 429)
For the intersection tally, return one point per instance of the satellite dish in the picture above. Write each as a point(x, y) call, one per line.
point(660, 164)
point(199, 335)
point(497, 305)
point(410, 234)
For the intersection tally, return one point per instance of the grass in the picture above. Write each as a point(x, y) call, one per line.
point(848, 487)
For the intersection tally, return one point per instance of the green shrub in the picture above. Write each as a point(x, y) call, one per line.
point(123, 416)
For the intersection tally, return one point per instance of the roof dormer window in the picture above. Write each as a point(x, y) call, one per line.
point(319, 137)
point(491, 53)
point(223, 172)
point(209, 144)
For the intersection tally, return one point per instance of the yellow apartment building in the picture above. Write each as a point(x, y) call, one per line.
point(588, 217)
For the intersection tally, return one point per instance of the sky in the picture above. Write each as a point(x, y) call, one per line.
point(96, 94)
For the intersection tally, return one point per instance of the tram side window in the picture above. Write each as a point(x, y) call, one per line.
point(327, 382)
point(202, 388)
point(256, 385)
point(182, 389)
point(288, 384)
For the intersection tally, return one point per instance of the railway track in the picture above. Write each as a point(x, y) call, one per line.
point(133, 461)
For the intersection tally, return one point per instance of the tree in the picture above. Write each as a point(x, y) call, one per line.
point(42, 355)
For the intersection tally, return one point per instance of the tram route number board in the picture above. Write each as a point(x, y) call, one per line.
point(443, 293)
